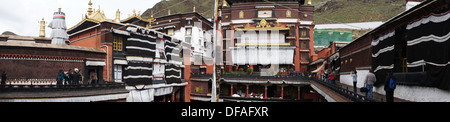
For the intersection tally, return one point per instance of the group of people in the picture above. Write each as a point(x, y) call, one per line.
point(327, 75)
point(389, 84)
point(69, 78)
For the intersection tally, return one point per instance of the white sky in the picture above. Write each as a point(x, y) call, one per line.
point(22, 16)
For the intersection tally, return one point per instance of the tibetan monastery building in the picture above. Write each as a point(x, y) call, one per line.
point(260, 33)
point(147, 61)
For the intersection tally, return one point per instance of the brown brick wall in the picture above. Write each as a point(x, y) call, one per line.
point(35, 69)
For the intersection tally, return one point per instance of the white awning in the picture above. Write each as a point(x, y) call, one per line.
point(163, 91)
point(95, 63)
point(122, 62)
point(320, 68)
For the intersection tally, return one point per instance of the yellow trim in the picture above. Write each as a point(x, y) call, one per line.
point(81, 22)
point(272, 28)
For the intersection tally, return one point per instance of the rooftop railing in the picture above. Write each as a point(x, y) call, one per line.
point(54, 87)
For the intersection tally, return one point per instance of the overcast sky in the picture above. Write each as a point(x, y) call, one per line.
point(22, 16)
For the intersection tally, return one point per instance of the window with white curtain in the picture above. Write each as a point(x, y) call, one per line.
point(118, 73)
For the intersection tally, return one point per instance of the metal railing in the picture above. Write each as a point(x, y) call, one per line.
point(12, 88)
point(252, 76)
point(349, 94)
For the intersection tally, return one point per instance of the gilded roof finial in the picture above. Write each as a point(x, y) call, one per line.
point(194, 8)
point(168, 12)
point(42, 28)
point(151, 16)
point(117, 16)
point(309, 2)
point(59, 9)
point(90, 8)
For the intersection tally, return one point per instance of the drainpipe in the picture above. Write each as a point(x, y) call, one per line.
point(107, 60)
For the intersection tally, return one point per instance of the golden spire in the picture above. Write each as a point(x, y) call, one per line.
point(309, 2)
point(59, 9)
point(151, 16)
point(225, 3)
point(194, 8)
point(168, 12)
point(117, 16)
point(42, 28)
point(90, 8)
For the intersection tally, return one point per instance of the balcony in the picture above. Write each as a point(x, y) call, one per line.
point(63, 93)
point(256, 78)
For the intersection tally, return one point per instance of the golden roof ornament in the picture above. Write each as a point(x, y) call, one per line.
point(151, 16)
point(194, 9)
point(42, 28)
point(117, 16)
point(90, 8)
point(225, 3)
point(263, 24)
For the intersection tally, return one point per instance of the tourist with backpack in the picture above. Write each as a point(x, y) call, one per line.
point(389, 86)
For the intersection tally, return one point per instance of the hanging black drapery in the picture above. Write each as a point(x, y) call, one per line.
point(173, 69)
point(140, 49)
point(383, 55)
point(428, 48)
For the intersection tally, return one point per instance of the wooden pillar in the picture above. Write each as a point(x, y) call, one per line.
point(298, 92)
point(282, 92)
point(231, 93)
point(246, 96)
point(265, 91)
point(173, 97)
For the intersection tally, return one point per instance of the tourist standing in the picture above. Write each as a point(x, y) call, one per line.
point(93, 78)
point(331, 77)
point(66, 78)
point(368, 83)
point(4, 78)
point(76, 77)
point(60, 77)
point(71, 75)
point(389, 86)
point(354, 76)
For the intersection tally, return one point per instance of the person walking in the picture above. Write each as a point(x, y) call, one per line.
point(3, 78)
point(354, 76)
point(389, 86)
point(368, 83)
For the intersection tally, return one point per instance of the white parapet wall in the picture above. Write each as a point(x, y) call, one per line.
point(346, 78)
point(410, 93)
point(418, 93)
